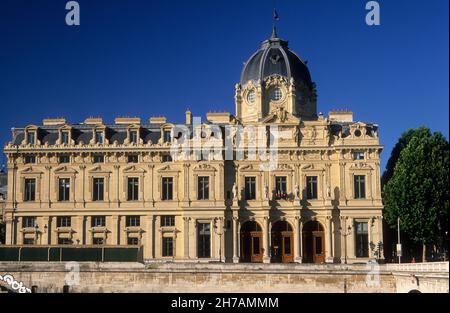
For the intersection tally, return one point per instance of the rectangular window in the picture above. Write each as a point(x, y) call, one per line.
point(167, 136)
point(98, 158)
point(133, 189)
point(360, 186)
point(99, 137)
point(64, 159)
point(132, 158)
point(133, 221)
point(30, 159)
point(362, 240)
point(30, 189)
point(31, 138)
point(133, 136)
point(99, 189)
point(64, 189)
point(63, 221)
point(133, 241)
point(28, 221)
point(358, 155)
point(64, 241)
point(167, 188)
point(204, 240)
point(167, 246)
point(203, 187)
point(311, 187)
point(65, 138)
point(98, 241)
point(167, 221)
point(98, 221)
point(250, 188)
point(280, 187)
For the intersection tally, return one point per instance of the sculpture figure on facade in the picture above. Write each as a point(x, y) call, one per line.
point(234, 191)
point(297, 192)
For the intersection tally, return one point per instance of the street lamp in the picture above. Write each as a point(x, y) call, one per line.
point(399, 245)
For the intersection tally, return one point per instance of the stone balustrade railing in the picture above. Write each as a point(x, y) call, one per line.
point(419, 267)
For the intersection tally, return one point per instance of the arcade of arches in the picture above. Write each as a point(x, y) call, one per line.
point(310, 240)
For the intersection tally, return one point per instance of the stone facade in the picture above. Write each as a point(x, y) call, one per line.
point(121, 183)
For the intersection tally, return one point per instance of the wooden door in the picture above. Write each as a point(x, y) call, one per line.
point(318, 247)
point(256, 247)
point(287, 247)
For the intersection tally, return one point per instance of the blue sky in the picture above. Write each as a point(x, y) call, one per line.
point(146, 58)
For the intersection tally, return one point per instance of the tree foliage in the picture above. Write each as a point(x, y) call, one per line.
point(418, 189)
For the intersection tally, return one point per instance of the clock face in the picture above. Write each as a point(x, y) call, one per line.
point(251, 97)
point(276, 94)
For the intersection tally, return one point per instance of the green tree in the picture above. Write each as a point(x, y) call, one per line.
point(399, 146)
point(418, 190)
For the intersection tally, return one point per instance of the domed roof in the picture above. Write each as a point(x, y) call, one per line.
point(275, 57)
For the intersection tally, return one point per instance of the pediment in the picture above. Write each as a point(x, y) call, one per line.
point(361, 166)
point(204, 167)
point(284, 167)
point(30, 171)
point(312, 167)
point(281, 116)
point(134, 169)
point(65, 170)
point(98, 169)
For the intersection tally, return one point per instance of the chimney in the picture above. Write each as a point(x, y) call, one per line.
point(188, 117)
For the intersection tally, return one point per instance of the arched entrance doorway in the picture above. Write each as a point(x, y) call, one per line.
point(282, 243)
point(313, 242)
point(251, 242)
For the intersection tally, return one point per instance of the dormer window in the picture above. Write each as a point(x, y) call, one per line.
point(99, 137)
point(133, 158)
point(167, 136)
point(359, 155)
point(31, 138)
point(133, 136)
point(65, 135)
point(276, 94)
point(30, 159)
point(166, 158)
point(64, 159)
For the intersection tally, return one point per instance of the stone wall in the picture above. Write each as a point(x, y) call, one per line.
point(197, 278)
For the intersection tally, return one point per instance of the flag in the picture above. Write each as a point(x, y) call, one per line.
point(276, 17)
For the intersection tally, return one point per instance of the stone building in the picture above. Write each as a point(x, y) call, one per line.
point(95, 183)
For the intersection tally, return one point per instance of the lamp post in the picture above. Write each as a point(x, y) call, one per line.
point(219, 233)
point(399, 245)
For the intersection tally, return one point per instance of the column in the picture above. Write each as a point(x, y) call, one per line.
point(115, 230)
point(19, 233)
point(78, 227)
point(298, 237)
point(157, 237)
point(122, 230)
point(186, 237)
point(343, 238)
point(235, 239)
point(380, 235)
point(329, 241)
point(149, 248)
point(46, 231)
point(266, 244)
point(87, 230)
point(350, 239)
point(9, 230)
point(52, 234)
